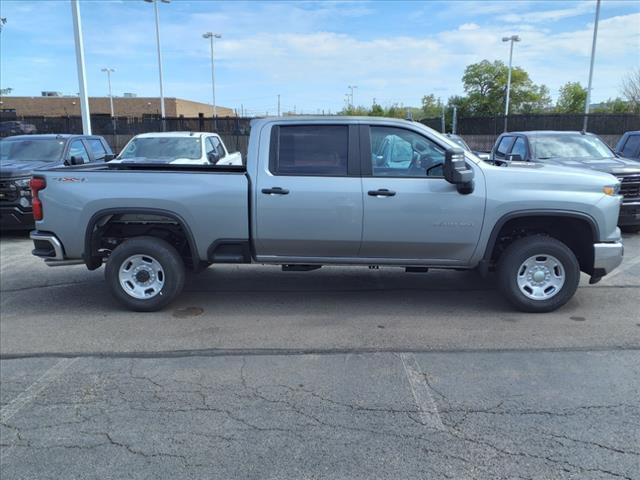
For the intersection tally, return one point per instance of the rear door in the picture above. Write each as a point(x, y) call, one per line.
point(309, 194)
point(411, 213)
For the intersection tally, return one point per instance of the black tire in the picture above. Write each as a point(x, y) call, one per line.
point(173, 272)
point(514, 257)
point(630, 228)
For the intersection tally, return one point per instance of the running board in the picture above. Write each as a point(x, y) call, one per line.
point(300, 268)
point(62, 263)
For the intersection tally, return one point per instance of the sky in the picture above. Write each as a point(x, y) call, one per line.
point(310, 51)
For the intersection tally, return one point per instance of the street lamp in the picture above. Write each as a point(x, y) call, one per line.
point(511, 39)
point(155, 8)
point(211, 36)
point(593, 56)
point(109, 71)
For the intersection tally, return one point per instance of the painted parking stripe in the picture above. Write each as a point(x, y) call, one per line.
point(625, 267)
point(429, 415)
point(26, 397)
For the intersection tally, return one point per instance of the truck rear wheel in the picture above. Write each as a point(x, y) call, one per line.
point(145, 273)
point(538, 274)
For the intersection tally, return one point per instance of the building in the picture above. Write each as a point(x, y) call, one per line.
point(128, 106)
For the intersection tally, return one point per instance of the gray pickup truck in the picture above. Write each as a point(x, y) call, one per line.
point(333, 190)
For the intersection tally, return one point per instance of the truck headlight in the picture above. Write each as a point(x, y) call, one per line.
point(22, 182)
point(611, 190)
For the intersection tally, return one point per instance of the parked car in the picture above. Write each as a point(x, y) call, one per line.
point(179, 148)
point(323, 190)
point(461, 142)
point(22, 155)
point(16, 127)
point(629, 145)
point(581, 150)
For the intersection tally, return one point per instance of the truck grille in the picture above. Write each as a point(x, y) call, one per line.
point(630, 186)
point(8, 191)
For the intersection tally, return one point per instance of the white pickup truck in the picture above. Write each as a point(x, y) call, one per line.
point(182, 148)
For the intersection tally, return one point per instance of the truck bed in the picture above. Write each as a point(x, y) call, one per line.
point(211, 202)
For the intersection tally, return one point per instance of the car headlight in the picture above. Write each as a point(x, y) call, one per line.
point(611, 190)
point(22, 182)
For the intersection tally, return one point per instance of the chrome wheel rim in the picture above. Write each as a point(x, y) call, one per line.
point(141, 276)
point(541, 277)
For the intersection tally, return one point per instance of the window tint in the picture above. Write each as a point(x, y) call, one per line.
point(630, 148)
point(396, 152)
point(24, 150)
point(312, 150)
point(503, 146)
point(77, 149)
point(97, 148)
point(519, 148)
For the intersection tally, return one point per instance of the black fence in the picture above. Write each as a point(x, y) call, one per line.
point(105, 125)
point(599, 123)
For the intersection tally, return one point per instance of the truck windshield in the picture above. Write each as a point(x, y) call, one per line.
point(568, 146)
point(165, 148)
point(48, 149)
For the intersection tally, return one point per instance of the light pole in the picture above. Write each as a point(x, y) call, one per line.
point(109, 71)
point(593, 56)
point(512, 39)
point(82, 80)
point(351, 87)
point(155, 8)
point(211, 36)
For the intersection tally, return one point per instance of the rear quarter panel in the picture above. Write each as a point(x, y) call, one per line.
point(213, 205)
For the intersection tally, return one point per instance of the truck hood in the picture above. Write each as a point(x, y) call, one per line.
point(613, 165)
point(561, 174)
point(13, 168)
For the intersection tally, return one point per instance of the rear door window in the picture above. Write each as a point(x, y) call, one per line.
point(311, 150)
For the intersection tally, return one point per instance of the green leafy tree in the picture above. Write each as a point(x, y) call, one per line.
point(631, 89)
point(614, 105)
point(376, 111)
point(485, 84)
point(572, 98)
point(431, 106)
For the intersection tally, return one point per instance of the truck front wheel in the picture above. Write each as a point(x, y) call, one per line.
point(538, 274)
point(145, 273)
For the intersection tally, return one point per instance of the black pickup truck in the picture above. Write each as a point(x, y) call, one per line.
point(579, 150)
point(22, 155)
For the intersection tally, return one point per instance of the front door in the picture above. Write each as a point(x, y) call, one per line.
point(410, 211)
point(309, 195)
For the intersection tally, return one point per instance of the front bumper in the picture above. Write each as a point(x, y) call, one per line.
point(629, 213)
point(607, 257)
point(15, 218)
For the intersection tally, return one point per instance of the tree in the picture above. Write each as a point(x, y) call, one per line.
point(572, 98)
point(615, 105)
point(486, 83)
point(631, 89)
point(431, 106)
point(376, 111)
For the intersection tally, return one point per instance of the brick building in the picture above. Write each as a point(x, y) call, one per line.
point(56, 106)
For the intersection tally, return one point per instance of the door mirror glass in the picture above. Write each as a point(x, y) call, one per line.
point(456, 170)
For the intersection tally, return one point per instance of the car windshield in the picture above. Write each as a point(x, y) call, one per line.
point(163, 148)
point(48, 150)
point(568, 146)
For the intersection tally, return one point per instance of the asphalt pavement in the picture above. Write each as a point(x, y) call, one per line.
point(338, 373)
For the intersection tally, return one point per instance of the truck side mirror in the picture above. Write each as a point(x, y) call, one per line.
point(108, 157)
point(456, 170)
point(514, 157)
point(213, 157)
point(72, 160)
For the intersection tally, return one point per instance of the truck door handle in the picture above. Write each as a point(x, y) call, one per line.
point(383, 192)
point(275, 191)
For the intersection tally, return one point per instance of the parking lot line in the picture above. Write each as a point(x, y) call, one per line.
point(421, 391)
point(26, 397)
point(625, 267)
